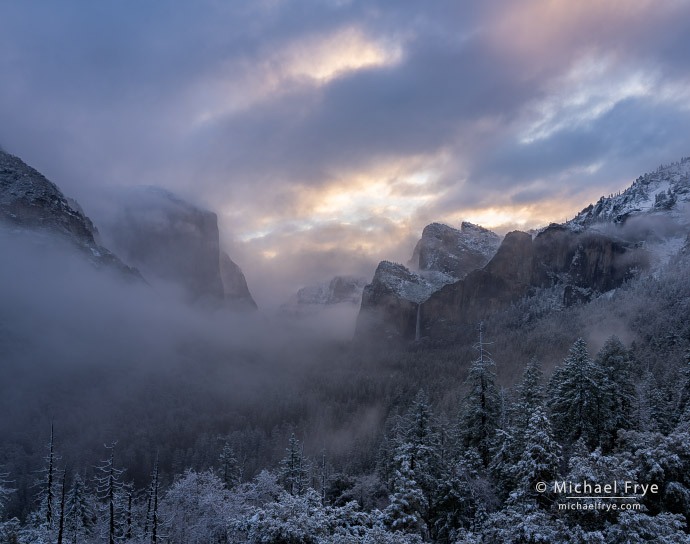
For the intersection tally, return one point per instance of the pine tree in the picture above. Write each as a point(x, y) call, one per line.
point(5, 491)
point(617, 392)
point(293, 468)
point(63, 494)
point(323, 477)
point(229, 470)
point(128, 521)
point(530, 393)
point(482, 403)
point(511, 440)
point(109, 490)
point(47, 494)
point(684, 396)
point(79, 517)
point(574, 397)
point(539, 461)
point(404, 513)
point(151, 523)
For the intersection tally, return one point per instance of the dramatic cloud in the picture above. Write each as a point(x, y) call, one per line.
point(327, 134)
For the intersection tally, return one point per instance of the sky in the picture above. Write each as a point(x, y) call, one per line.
point(327, 134)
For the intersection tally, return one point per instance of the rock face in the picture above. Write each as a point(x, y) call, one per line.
point(340, 290)
point(172, 240)
point(582, 264)
point(454, 252)
point(235, 288)
point(28, 201)
point(391, 303)
point(666, 191)
point(605, 244)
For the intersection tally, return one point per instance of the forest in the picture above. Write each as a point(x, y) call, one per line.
point(430, 443)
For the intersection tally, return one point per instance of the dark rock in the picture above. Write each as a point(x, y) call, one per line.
point(235, 286)
point(29, 201)
point(172, 240)
point(454, 252)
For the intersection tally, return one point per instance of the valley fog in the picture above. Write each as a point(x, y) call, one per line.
point(114, 358)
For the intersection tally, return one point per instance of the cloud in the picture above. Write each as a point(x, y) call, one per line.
point(310, 126)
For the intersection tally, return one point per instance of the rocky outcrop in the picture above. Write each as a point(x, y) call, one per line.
point(341, 291)
point(582, 264)
point(454, 252)
point(337, 290)
point(638, 229)
point(235, 289)
point(172, 240)
point(29, 201)
point(665, 191)
point(390, 302)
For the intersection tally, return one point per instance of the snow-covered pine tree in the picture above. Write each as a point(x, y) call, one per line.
point(294, 472)
point(481, 412)
point(109, 490)
point(323, 477)
point(229, 469)
point(423, 440)
point(460, 503)
point(683, 407)
point(617, 392)
point(5, 491)
point(511, 439)
point(42, 523)
point(127, 511)
point(584, 465)
point(61, 518)
point(539, 461)
point(152, 521)
point(530, 393)
point(79, 516)
point(404, 513)
point(574, 391)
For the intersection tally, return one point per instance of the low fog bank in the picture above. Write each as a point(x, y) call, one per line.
point(111, 358)
point(120, 359)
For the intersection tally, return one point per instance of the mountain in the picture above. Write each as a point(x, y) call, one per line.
point(172, 240)
point(607, 243)
point(338, 290)
point(664, 192)
point(577, 266)
point(454, 252)
point(391, 302)
point(235, 289)
point(30, 202)
point(443, 256)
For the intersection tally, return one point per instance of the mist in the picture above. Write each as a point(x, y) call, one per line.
point(93, 351)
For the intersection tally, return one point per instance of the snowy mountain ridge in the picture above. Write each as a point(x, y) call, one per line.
point(454, 252)
point(31, 202)
point(665, 190)
point(337, 290)
point(399, 280)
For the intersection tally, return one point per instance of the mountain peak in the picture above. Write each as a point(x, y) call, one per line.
point(666, 190)
point(454, 252)
point(29, 201)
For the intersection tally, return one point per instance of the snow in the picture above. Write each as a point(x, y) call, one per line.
point(470, 237)
point(405, 283)
point(666, 190)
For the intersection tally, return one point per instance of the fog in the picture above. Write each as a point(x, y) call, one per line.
point(115, 358)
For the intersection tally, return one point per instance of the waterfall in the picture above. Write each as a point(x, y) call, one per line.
point(418, 327)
